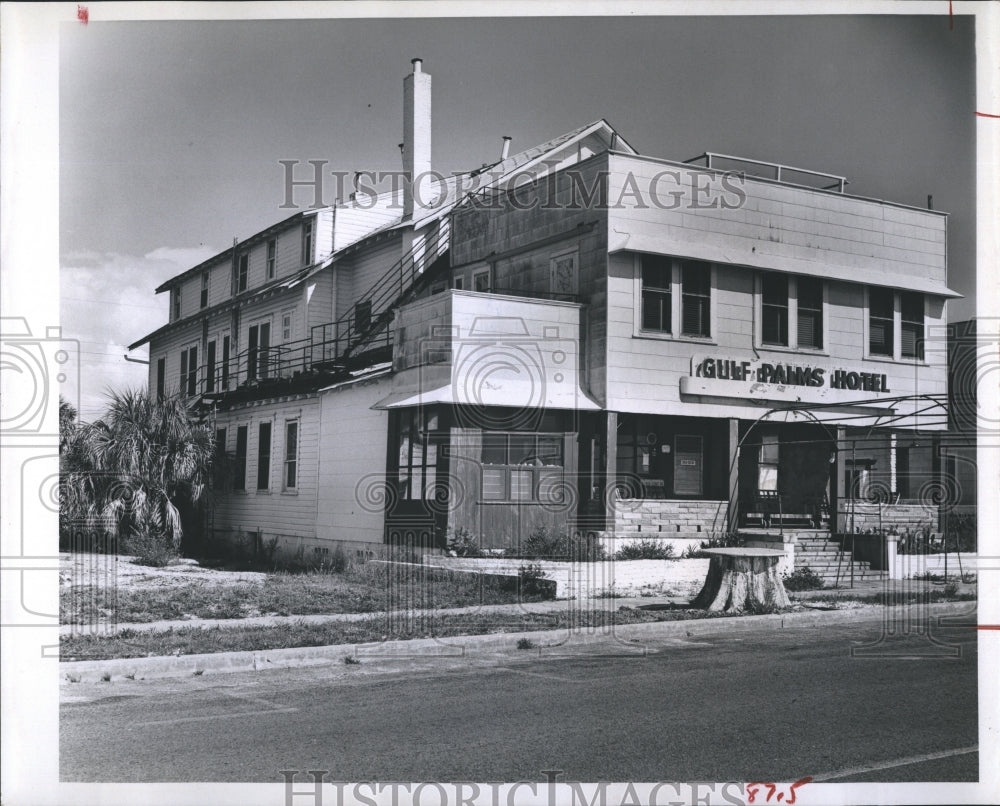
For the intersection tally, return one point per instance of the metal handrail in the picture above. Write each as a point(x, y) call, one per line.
point(839, 181)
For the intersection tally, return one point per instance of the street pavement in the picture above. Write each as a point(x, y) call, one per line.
point(736, 705)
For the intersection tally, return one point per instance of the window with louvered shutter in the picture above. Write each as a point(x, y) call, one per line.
point(810, 314)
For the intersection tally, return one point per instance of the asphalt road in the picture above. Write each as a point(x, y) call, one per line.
point(765, 706)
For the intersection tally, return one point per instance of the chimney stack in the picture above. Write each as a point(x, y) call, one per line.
point(416, 136)
point(505, 148)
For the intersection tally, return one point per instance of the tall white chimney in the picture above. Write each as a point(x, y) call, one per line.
point(416, 136)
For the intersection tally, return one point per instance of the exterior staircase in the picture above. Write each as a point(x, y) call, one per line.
point(825, 557)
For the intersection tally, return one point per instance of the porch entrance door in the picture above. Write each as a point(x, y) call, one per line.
point(689, 461)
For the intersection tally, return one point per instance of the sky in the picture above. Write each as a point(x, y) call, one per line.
point(170, 133)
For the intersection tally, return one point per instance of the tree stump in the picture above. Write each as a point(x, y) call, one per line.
point(741, 580)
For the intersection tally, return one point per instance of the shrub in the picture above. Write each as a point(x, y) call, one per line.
point(531, 581)
point(149, 550)
point(462, 543)
point(646, 549)
point(547, 543)
point(802, 579)
point(719, 542)
point(525, 643)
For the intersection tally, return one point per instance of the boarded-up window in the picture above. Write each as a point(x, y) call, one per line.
point(522, 467)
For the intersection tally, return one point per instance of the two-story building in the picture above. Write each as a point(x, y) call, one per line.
point(591, 338)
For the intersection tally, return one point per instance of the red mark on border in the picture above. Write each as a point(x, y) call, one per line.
point(772, 789)
point(988, 626)
point(83, 14)
point(986, 115)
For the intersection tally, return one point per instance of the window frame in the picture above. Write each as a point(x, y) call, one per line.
point(897, 326)
point(483, 272)
point(257, 352)
point(203, 299)
point(242, 271)
point(663, 292)
point(271, 258)
point(287, 332)
point(676, 332)
point(291, 461)
point(784, 328)
point(308, 236)
point(919, 351)
point(264, 455)
point(792, 325)
point(188, 386)
point(508, 468)
point(211, 355)
point(423, 426)
point(176, 303)
point(240, 458)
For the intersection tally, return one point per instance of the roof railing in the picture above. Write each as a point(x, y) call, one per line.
point(780, 172)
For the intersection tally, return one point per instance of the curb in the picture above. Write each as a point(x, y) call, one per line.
point(624, 638)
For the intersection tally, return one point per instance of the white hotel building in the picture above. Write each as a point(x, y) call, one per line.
point(593, 339)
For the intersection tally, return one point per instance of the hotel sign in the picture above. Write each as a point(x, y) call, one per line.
point(722, 376)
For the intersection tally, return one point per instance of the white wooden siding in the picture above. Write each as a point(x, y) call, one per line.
point(777, 226)
point(356, 274)
point(276, 512)
point(352, 464)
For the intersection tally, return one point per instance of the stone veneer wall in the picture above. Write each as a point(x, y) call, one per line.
point(670, 518)
point(885, 516)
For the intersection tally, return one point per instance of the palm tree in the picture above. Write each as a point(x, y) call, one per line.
point(140, 465)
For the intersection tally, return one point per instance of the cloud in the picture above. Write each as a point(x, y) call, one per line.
point(106, 303)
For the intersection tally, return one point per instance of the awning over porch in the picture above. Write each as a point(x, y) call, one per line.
point(501, 392)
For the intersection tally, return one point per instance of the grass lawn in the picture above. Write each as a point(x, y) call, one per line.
point(194, 640)
point(364, 588)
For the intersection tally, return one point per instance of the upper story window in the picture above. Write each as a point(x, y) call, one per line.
point(810, 312)
point(242, 272)
point(272, 252)
point(895, 324)
point(774, 308)
point(307, 241)
point(657, 278)
point(696, 291)
point(481, 280)
point(791, 311)
point(675, 297)
point(911, 311)
point(189, 371)
point(176, 307)
point(881, 320)
point(204, 289)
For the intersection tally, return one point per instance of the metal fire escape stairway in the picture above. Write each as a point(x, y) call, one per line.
point(365, 329)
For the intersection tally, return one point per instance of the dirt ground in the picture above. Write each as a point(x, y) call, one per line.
point(104, 569)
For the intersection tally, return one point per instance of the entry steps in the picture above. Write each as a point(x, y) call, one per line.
point(823, 555)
